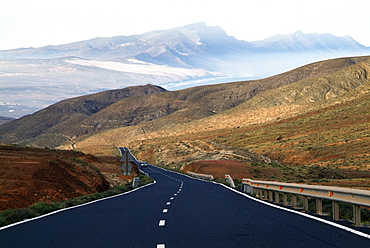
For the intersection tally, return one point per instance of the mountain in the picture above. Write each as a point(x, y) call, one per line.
point(147, 109)
point(53, 73)
point(34, 78)
point(310, 87)
point(5, 119)
point(300, 42)
point(183, 47)
point(308, 123)
point(53, 122)
point(315, 122)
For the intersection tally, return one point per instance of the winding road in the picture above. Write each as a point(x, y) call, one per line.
point(178, 211)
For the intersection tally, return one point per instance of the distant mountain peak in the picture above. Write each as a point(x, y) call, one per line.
point(196, 25)
point(298, 32)
point(299, 41)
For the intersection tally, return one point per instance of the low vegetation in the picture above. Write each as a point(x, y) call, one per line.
point(10, 216)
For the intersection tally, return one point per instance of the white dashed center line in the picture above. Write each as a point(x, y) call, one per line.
point(162, 223)
point(168, 203)
point(172, 198)
point(161, 246)
point(165, 210)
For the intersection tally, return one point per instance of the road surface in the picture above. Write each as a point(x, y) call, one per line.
point(177, 211)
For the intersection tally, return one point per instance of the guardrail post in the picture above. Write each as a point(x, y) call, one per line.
point(260, 193)
point(269, 190)
point(277, 197)
point(270, 196)
point(255, 191)
point(305, 203)
point(285, 199)
point(136, 182)
point(294, 201)
point(318, 206)
point(357, 215)
point(335, 210)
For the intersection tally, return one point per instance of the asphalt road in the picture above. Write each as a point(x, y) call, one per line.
point(177, 211)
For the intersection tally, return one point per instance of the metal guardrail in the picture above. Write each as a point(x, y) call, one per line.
point(128, 160)
point(201, 176)
point(136, 182)
point(230, 181)
point(273, 190)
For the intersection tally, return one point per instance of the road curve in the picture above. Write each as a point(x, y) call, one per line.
point(178, 211)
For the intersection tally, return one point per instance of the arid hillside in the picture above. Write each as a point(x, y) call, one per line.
point(322, 120)
point(5, 119)
point(296, 98)
point(308, 123)
point(61, 121)
point(30, 175)
point(148, 108)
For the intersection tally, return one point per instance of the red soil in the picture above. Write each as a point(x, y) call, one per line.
point(30, 175)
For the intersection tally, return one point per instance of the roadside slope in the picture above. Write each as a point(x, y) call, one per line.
point(30, 175)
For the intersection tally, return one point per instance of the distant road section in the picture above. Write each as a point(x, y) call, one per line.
point(178, 211)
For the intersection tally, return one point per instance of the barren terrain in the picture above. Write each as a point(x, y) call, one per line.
point(30, 175)
point(309, 125)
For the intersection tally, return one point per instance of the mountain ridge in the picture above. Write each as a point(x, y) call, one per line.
point(152, 108)
point(164, 57)
point(305, 42)
point(245, 115)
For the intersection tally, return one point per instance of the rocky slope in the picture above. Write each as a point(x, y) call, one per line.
point(310, 116)
point(145, 109)
point(30, 175)
point(317, 121)
point(5, 119)
point(64, 120)
point(263, 100)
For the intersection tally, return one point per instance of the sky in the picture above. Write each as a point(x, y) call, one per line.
point(36, 23)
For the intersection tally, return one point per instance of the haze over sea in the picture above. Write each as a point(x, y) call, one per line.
point(178, 58)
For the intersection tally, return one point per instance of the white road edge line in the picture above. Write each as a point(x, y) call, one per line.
point(348, 229)
point(65, 209)
point(365, 235)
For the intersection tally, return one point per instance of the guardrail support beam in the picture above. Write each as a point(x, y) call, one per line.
point(270, 195)
point(335, 210)
point(277, 197)
point(305, 203)
point(271, 190)
point(260, 193)
point(318, 206)
point(294, 201)
point(285, 199)
point(357, 215)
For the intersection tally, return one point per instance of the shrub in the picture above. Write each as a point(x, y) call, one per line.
point(15, 215)
point(41, 208)
point(10, 216)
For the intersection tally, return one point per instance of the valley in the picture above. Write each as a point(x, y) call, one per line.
point(308, 125)
point(327, 137)
point(34, 78)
